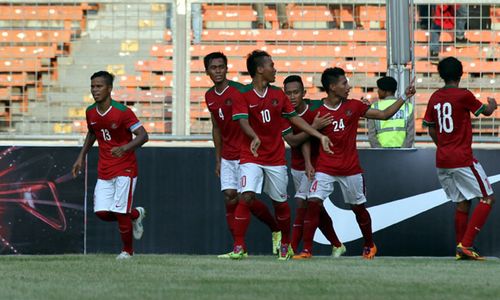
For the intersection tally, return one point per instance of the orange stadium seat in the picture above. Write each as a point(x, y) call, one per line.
point(229, 13)
point(20, 79)
point(21, 65)
point(28, 51)
point(290, 35)
point(35, 36)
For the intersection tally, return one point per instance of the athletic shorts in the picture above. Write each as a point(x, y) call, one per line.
point(114, 194)
point(274, 178)
point(229, 174)
point(465, 183)
point(353, 187)
point(301, 184)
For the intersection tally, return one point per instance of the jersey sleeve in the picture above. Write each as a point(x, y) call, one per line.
point(361, 108)
point(240, 107)
point(288, 111)
point(286, 127)
point(130, 120)
point(429, 120)
point(472, 104)
point(89, 128)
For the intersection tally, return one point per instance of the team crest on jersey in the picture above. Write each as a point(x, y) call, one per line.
point(274, 102)
point(229, 101)
point(114, 126)
point(348, 113)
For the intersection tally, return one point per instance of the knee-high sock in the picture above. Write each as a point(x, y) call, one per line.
point(326, 226)
point(364, 222)
point(261, 211)
point(298, 227)
point(230, 208)
point(105, 215)
point(282, 213)
point(461, 218)
point(476, 222)
point(134, 213)
point(311, 222)
point(241, 222)
point(125, 227)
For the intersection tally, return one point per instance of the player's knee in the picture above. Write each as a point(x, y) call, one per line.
point(103, 215)
point(301, 203)
point(464, 206)
point(490, 200)
point(230, 196)
point(315, 200)
point(247, 196)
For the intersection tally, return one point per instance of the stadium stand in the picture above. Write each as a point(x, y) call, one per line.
point(33, 38)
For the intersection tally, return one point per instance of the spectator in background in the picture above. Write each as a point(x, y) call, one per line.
point(446, 16)
point(196, 20)
point(280, 10)
point(398, 131)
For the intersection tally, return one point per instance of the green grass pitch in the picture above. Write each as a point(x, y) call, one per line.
point(258, 277)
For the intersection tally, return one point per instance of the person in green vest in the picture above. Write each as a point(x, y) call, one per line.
point(399, 130)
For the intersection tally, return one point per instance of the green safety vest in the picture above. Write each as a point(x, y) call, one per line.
point(392, 132)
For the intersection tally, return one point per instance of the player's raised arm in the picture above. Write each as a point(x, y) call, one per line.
point(392, 109)
point(490, 107)
point(89, 141)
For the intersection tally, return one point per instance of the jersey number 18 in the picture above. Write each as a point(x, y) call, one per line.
point(444, 114)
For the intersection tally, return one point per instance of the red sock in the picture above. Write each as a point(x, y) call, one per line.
point(282, 213)
point(134, 214)
point(311, 222)
point(230, 208)
point(241, 222)
point(125, 227)
point(326, 226)
point(460, 224)
point(364, 222)
point(106, 215)
point(298, 227)
point(476, 222)
point(261, 211)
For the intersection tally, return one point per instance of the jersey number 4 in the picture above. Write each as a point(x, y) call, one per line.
point(444, 114)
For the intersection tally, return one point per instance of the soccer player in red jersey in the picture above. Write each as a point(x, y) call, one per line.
point(461, 175)
point(112, 125)
point(227, 137)
point(294, 89)
point(261, 116)
point(343, 166)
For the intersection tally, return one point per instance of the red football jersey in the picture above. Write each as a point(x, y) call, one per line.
point(342, 133)
point(113, 128)
point(265, 115)
point(308, 115)
point(221, 106)
point(449, 111)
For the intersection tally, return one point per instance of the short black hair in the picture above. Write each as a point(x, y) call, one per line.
point(450, 69)
point(214, 55)
point(293, 78)
point(106, 75)
point(387, 83)
point(331, 75)
point(254, 60)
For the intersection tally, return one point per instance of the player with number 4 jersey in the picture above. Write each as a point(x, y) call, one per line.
point(462, 177)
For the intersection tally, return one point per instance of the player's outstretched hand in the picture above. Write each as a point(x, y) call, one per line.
point(326, 143)
point(410, 90)
point(310, 171)
point(320, 122)
point(254, 146)
point(118, 151)
point(365, 101)
point(492, 102)
point(77, 166)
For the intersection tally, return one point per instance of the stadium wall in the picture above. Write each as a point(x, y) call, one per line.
point(186, 213)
